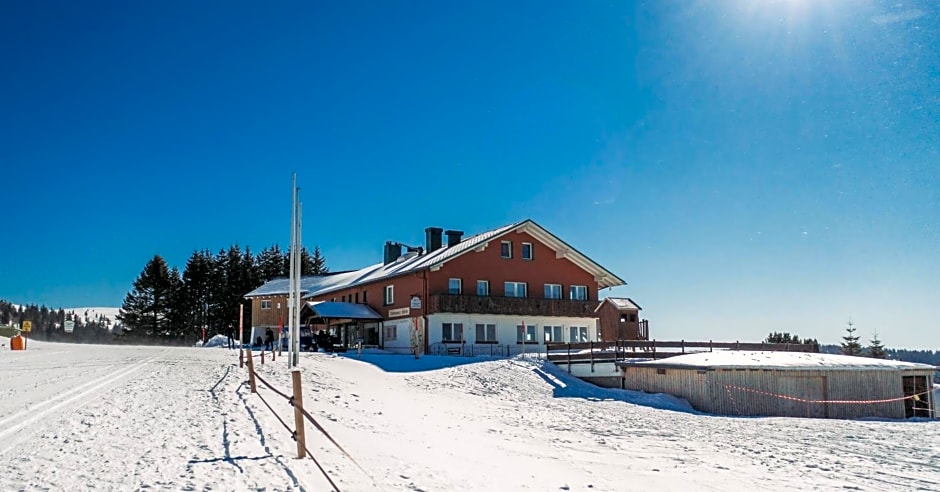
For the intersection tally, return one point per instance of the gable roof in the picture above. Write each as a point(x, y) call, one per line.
point(621, 303)
point(414, 262)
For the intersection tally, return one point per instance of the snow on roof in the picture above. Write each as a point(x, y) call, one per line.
point(740, 359)
point(318, 285)
point(621, 303)
point(309, 283)
point(343, 310)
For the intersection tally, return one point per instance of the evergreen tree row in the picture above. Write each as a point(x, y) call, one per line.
point(171, 305)
point(48, 323)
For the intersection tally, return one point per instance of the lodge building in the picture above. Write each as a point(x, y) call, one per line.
point(495, 292)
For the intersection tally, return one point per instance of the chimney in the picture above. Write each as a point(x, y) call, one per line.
point(433, 238)
point(453, 237)
point(392, 252)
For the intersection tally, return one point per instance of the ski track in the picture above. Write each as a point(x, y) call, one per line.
point(134, 418)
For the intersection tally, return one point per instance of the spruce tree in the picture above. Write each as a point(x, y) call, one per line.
point(319, 262)
point(876, 349)
point(176, 307)
point(271, 263)
point(146, 306)
point(850, 345)
point(196, 292)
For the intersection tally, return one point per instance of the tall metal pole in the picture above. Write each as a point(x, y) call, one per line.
point(297, 274)
point(293, 251)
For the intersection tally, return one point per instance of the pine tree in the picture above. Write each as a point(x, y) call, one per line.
point(177, 312)
point(319, 262)
point(271, 263)
point(197, 286)
point(850, 345)
point(147, 305)
point(875, 348)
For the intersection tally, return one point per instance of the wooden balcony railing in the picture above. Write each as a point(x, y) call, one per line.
point(516, 306)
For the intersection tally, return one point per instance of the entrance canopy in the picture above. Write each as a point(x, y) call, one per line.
point(341, 311)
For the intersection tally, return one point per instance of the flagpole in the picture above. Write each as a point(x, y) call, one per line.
point(293, 251)
point(297, 274)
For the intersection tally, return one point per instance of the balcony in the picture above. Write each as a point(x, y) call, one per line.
point(514, 306)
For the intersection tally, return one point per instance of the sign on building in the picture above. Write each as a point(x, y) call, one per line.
point(415, 302)
point(398, 313)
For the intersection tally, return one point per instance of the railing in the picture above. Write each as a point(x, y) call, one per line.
point(518, 306)
point(595, 352)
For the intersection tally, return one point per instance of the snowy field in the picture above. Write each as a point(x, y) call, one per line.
point(82, 417)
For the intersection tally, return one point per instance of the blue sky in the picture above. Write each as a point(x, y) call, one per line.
point(746, 166)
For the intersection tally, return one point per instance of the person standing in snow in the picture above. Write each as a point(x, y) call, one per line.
point(269, 339)
point(230, 336)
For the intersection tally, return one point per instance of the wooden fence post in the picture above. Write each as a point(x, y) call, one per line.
point(262, 357)
point(592, 356)
point(569, 357)
point(298, 415)
point(251, 373)
point(241, 358)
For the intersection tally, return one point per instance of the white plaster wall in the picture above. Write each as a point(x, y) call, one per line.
point(506, 326)
point(402, 343)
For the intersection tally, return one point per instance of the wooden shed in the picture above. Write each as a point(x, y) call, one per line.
point(789, 384)
point(619, 319)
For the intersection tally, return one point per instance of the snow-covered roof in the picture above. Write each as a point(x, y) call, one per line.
point(413, 262)
point(309, 283)
point(343, 310)
point(621, 303)
point(739, 359)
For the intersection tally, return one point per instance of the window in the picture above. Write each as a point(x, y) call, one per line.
point(505, 249)
point(526, 251)
point(579, 292)
point(515, 289)
point(623, 318)
point(389, 295)
point(344, 298)
point(454, 286)
point(483, 287)
point(553, 291)
point(451, 332)
point(391, 332)
point(265, 304)
point(632, 318)
point(486, 333)
point(553, 334)
point(578, 334)
point(529, 334)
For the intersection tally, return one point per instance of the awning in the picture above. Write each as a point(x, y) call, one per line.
point(342, 310)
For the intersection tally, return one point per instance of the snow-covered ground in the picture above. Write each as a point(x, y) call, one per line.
point(128, 418)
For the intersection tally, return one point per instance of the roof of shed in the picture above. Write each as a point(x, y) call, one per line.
point(621, 303)
point(342, 310)
point(739, 359)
